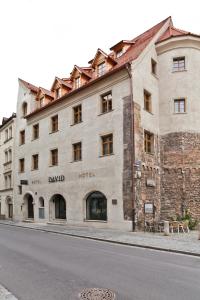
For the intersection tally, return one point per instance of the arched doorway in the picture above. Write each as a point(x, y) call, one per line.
point(96, 206)
point(9, 207)
point(29, 205)
point(57, 207)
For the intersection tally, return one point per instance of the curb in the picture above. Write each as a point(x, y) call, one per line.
point(108, 241)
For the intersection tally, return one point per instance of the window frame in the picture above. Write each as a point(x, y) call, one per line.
point(148, 141)
point(105, 103)
point(101, 69)
point(35, 137)
point(77, 151)
point(109, 144)
point(21, 165)
point(52, 157)
point(154, 65)
point(147, 101)
point(77, 115)
point(178, 67)
point(54, 124)
point(178, 100)
point(35, 166)
point(22, 137)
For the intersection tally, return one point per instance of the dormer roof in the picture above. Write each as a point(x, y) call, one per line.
point(43, 92)
point(107, 56)
point(82, 71)
point(61, 83)
point(121, 44)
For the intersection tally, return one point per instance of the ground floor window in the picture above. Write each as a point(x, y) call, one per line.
point(59, 206)
point(96, 207)
point(41, 208)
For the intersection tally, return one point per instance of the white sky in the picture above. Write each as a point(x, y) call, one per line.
point(41, 39)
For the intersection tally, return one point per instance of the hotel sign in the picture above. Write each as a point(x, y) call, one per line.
point(56, 178)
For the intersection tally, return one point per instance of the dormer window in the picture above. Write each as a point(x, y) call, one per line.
point(41, 101)
point(58, 93)
point(101, 69)
point(119, 53)
point(77, 82)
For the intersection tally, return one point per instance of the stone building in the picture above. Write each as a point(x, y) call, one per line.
point(116, 142)
point(7, 129)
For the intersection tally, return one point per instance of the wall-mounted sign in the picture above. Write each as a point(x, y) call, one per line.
point(56, 178)
point(148, 208)
point(24, 182)
point(35, 181)
point(151, 182)
point(86, 175)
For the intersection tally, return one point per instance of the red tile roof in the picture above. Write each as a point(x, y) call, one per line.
point(172, 32)
point(30, 86)
point(137, 45)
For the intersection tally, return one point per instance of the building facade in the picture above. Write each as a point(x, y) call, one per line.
point(117, 142)
point(7, 129)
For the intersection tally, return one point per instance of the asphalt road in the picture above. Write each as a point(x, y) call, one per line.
point(44, 266)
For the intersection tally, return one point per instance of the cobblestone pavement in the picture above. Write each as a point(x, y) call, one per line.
point(182, 242)
point(5, 294)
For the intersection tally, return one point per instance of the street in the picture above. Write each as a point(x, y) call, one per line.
point(36, 265)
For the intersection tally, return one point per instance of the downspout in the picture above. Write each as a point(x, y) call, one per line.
point(132, 130)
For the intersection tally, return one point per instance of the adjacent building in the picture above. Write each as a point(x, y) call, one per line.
point(117, 142)
point(7, 129)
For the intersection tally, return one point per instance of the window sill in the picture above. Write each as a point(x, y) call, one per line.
point(50, 166)
point(76, 123)
point(150, 153)
point(34, 170)
point(53, 131)
point(104, 113)
point(21, 172)
point(96, 221)
point(176, 71)
point(106, 155)
point(76, 161)
point(35, 139)
point(7, 163)
point(148, 111)
point(154, 75)
point(180, 113)
point(8, 140)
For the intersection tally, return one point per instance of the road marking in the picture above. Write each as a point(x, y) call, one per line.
point(5, 294)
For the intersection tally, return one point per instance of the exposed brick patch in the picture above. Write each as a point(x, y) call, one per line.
point(127, 169)
point(180, 180)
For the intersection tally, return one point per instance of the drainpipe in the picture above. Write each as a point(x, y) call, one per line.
point(132, 129)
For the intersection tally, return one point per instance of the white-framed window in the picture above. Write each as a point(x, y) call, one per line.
point(178, 63)
point(101, 69)
point(179, 106)
point(77, 82)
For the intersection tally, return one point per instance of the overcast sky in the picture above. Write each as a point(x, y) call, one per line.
point(41, 39)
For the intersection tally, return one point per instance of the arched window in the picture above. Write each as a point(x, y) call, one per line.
point(96, 207)
point(24, 109)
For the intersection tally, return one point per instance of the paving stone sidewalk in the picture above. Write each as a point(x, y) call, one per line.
point(182, 242)
point(5, 294)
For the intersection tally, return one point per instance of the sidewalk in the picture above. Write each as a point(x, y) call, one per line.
point(5, 294)
point(185, 243)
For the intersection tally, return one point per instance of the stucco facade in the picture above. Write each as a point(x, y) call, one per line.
point(143, 96)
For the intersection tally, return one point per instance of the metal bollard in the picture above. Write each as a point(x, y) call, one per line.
point(199, 231)
point(166, 227)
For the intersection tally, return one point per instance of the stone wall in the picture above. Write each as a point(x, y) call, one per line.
point(180, 179)
point(146, 168)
